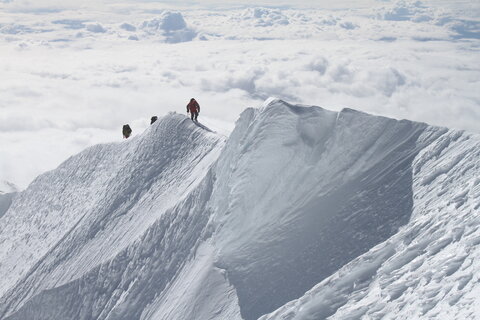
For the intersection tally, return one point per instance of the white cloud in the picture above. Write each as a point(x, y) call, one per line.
point(128, 27)
point(95, 27)
point(264, 17)
point(72, 78)
point(171, 25)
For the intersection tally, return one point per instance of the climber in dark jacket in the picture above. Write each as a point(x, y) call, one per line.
point(127, 131)
point(194, 108)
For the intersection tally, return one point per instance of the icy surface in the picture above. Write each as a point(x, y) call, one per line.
point(303, 213)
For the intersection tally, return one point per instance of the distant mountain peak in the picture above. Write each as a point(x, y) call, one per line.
point(8, 187)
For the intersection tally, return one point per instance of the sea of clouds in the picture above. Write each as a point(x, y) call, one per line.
point(72, 74)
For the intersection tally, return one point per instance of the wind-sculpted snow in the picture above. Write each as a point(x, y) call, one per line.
point(303, 214)
point(430, 268)
point(123, 287)
point(307, 191)
point(95, 204)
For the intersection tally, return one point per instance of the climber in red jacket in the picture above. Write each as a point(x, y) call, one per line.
point(194, 108)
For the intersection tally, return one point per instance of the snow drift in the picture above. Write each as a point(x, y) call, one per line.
point(302, 213)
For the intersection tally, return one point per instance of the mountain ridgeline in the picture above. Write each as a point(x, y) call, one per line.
point(301, 213)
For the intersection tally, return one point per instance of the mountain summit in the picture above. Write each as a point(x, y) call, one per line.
point(302, 213)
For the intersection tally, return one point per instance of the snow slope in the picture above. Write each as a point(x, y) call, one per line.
point(430, 268)
point(303, 213)
point(95, 204)
point(303, 191)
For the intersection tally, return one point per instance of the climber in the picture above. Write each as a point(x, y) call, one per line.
point(194, 108)
point(153, 119)
point(127, 131)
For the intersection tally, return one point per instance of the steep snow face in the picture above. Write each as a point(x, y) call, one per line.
point(303, 191)
point(146, 275)
point(310, 212)
point(97, 203)
point(430, 268)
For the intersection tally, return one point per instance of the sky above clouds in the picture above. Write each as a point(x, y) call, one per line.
point(72, 73)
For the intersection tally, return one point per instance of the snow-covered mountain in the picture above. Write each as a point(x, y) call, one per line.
point(302, 213)
point(7, 187)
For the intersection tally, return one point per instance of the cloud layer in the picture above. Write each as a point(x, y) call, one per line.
point(72, 78)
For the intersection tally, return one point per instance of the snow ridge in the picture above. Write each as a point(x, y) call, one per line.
point(303, 191)
point(97, 194)
point(303, 213)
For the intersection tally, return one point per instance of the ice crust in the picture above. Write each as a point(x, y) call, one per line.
point(302, 213)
